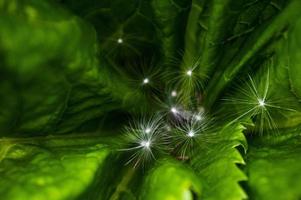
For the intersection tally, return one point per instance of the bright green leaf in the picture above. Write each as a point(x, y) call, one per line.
point(171, 180)
point(216, 164)
point(274, 167)
point(47, 168)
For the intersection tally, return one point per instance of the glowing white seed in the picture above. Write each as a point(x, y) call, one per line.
point(261, 102)
point(198, 117)
point(148, 130)
point(189, 72)
point(173, 93)
point(174, 110)
point(145, 144)
point(145, 81)
point(119, 40)
point(190, 134)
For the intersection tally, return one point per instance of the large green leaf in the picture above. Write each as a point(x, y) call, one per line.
point(129, 47)
point(49, 168)
point(275, 68)
point(293, 50)
point(216, 163)
point(249, 52)
point(274, 167)
point(45, 71)
point(171, 180)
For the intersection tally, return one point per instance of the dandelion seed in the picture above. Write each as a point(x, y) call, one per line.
point(191, 133)
point(147, 130)
point(145, 81)
point(174, 110)
point(173, 93)
point(145, 144)
point(168, 128)
point(145, 140)
point(119, 40)
point(256, 102)
point(198, 117)
point(189, 72)
point(261, 102)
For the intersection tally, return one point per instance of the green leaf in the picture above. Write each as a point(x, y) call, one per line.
point(274, 167)
point(170, 179)
point(49, 168)
point(44, 71)
point(216, 164)
point(294, 58)
point(170, 16)
point(263, 35)
point(276, 69)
